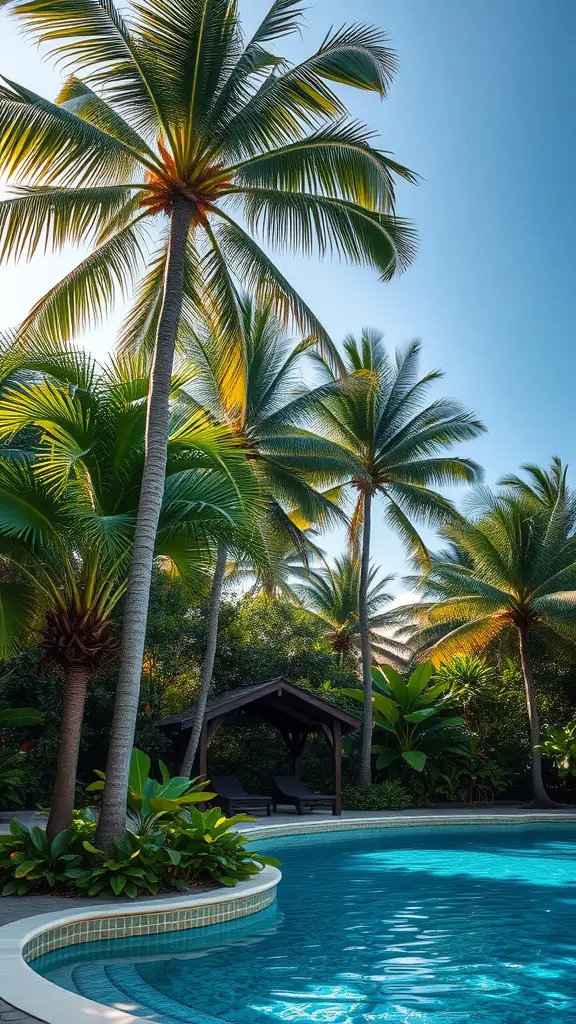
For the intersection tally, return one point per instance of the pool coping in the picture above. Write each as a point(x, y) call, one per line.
point(29, 993)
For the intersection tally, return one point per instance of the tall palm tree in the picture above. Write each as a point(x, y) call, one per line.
point(510, 569)
point(68, 506)
point(381, 416)
point(258, 404)
point(171, 116)
point(332, 595)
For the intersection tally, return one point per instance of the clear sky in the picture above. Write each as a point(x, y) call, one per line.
point(483, 108)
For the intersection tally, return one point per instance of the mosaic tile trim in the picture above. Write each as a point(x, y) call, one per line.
point(150, 923)
point(271, 831)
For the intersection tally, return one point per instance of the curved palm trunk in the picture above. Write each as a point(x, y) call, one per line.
point(541, 797)
point(208, 664)
point(112, 822)
point(63, 793)
point(366, 738)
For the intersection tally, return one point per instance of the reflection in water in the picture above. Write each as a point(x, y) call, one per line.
point(407, 926)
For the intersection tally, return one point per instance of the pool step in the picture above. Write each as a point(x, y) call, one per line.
point(127, 978)
point(93, 982)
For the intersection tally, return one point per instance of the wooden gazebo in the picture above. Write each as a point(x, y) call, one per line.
point(295, 712)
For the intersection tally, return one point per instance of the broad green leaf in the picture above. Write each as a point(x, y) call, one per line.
point(21, 716)
point(139, 771)
point(60, 843)
point(420, 716)
point(386, 756)
point(420, 678)
point(386, 707)
point(415, 758)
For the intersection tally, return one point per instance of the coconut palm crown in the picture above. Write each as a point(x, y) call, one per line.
point(70, 475)
point(171, 105)
point(510, 568)
point(332, 595)
point(381, 415)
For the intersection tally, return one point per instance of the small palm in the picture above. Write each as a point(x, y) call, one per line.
point(510, 568)
point(332, 594)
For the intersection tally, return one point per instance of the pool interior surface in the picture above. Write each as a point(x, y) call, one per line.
point(420, 925)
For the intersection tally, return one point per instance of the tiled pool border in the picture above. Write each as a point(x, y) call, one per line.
point(23, 941)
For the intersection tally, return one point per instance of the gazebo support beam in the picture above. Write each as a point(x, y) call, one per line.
point(337, 765)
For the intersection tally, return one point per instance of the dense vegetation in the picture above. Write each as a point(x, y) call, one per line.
point(161, 516)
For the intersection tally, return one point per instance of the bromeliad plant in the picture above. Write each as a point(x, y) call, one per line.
point(152, 803)
point(415, 715)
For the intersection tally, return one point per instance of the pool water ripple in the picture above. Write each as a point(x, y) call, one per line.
point(435, 925)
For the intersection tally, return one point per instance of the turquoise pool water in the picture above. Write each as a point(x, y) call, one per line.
point(440, 925)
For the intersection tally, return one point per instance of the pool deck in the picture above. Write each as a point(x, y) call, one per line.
point(13, 908)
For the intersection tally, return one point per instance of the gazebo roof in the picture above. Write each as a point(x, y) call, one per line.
point(278, 701)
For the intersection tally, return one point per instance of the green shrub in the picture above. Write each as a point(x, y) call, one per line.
point(29, 861)
point(204, 847)
point(391, 795)
point(150, 801)
point(210, 848)
point(13, 777)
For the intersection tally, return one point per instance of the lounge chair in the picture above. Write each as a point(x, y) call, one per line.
point(232, 796)
point(290, 790)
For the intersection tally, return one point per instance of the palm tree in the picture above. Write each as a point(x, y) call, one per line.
point(379, 414)
point(258, 404)
point(332, 595)
point(171, 118)
point(68, 505)
point(509, 569)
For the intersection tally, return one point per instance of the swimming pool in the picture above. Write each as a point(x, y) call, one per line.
point(431, 925)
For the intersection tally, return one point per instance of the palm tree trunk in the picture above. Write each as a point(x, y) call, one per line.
point(541, 797)
point(365, 777)
point(63, 793)
point(112, 822)
point(208, 664)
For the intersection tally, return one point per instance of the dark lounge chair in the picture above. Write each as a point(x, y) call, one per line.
point(290, 790)
point(232, 796)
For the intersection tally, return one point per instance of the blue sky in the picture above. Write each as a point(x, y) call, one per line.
point(483, 108)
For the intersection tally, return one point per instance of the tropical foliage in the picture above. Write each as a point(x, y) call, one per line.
point(416, 716)
point(205, 848)
point(510, 568)
point(332, 594)
point(69, 491)
point(250, 387)
point(246, 147)
point(151, 801)
point(380, 414)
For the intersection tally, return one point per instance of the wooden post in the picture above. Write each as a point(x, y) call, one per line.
point(337, 765)
point(203, 751)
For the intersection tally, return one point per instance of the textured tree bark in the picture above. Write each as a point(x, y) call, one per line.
point(63, 793)
point(541, 797)
point(112, 823)
point(365, 775)
point(208, 664)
